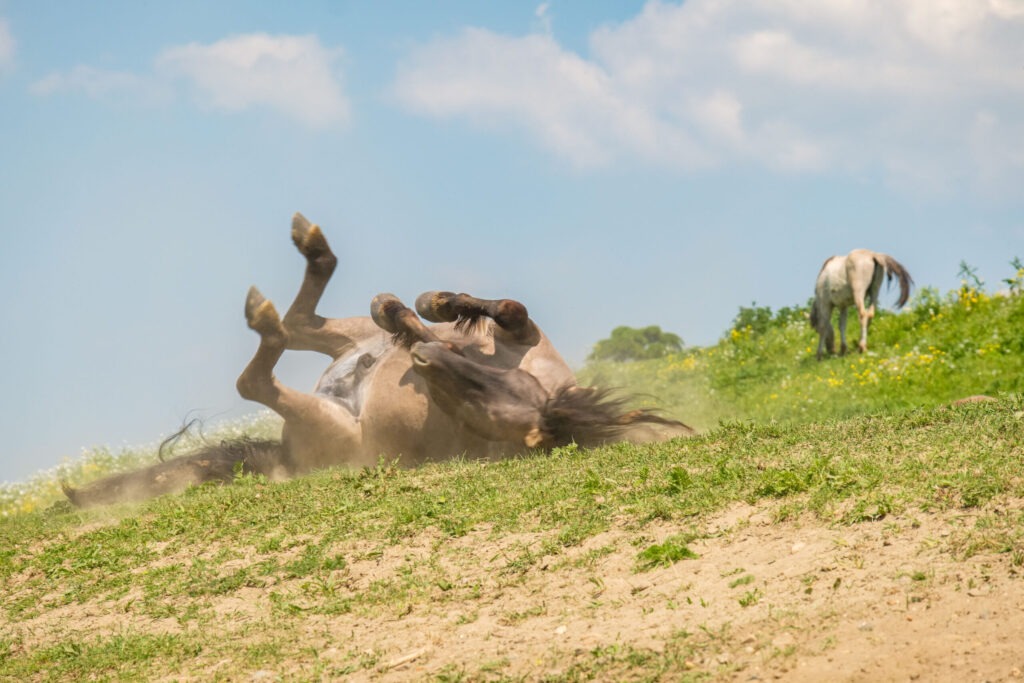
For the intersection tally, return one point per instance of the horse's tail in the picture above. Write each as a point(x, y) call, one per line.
point(590, 416)
point(894, 268)
point(216, 462)
point(815, 316)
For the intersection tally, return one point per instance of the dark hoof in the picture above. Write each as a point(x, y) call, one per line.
point(436, 307)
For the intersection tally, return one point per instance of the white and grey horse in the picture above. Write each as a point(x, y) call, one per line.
point(853, 280)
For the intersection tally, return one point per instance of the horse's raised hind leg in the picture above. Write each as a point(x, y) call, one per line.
point(842, 331)
point(512, 318)
point(308, 331)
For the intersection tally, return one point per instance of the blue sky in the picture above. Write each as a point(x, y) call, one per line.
point(606, 163)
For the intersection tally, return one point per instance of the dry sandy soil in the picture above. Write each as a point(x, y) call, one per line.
point(791, 601)
point(880, 601)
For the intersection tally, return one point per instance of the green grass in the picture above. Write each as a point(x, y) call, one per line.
point(294, 540)
point(764, 369)
point(844, 441)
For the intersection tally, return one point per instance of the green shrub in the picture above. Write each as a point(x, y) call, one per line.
point(628, 343)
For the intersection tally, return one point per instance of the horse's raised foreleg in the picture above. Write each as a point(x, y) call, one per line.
point(318, 432)
point(512, 318)
point(405, 327)
point(257, 381)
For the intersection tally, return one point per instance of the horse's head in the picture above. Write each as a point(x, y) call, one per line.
point(496, 404)
point(511, 405)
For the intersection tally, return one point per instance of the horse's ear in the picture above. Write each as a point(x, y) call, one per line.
point(536, 438)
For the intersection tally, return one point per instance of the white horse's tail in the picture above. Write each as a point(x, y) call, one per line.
point(894, 268)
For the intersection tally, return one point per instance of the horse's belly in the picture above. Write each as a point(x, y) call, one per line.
point(348, 379)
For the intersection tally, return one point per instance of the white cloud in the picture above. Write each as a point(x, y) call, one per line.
point(543, 16)
point(571, 104)
point(292, 74)
point(922, 90)
point(102, 84)
point(6, 46)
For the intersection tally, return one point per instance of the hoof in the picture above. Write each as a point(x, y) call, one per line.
point(309, 239)
point(436, 307)
point(260, 314)
point(383, 308)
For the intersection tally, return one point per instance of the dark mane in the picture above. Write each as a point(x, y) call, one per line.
point(591, 416)
point(404, 337)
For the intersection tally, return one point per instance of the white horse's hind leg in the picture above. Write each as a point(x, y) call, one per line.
point(826, 335)
point(865, 320)
point(865, 275)
point(864, 315)
point(842, 331)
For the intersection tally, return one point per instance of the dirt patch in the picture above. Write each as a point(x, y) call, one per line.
point(796, 601)
point(799, 601)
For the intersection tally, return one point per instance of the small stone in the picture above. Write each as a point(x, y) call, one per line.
point(865, 626)
point(561, 629)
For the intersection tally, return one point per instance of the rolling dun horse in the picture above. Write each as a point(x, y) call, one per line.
point(481, 381)
point(853, 280)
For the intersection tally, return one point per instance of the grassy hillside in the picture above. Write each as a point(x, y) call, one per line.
point(311, 577)
point(509, 570)
point(940, 348)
